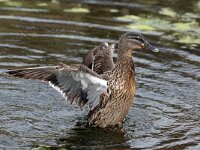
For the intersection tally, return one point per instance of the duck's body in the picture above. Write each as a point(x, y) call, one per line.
point(116, 102)
point(109, 98)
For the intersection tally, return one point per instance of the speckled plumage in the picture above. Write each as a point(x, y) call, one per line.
point(99, 59)
point(109, 96)
point(114, 104)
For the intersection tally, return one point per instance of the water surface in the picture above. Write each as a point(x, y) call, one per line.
point(165, 111)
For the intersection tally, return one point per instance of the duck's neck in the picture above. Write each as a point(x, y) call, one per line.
point(124, 53)
point(125, 67)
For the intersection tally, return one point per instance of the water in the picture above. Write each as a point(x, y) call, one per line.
point(165, 111)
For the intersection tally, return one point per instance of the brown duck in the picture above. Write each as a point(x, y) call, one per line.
point(100, 59)
point(108, 100)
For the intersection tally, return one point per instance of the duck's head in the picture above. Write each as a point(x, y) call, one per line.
point(134, 40)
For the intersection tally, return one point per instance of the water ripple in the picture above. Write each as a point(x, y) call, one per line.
point(165, 110)
point(19, 47)
point(82, 24)
point(23, 9)
point(75, 37)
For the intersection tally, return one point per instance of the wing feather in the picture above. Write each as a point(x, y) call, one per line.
point(77, 83)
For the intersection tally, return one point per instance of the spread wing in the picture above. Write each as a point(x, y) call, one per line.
point(77, 83)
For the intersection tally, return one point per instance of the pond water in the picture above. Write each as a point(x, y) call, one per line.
point(165, 112)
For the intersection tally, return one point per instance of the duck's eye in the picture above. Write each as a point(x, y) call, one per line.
point(139, 39)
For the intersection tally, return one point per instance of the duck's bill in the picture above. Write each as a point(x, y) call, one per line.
point(154, 49)
point(151, 48)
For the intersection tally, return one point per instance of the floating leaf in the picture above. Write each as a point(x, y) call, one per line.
point(140, 27)
point(77, 10)
point(128, 18)
point(42, 4)
point(182, 26)
point(187, 27)
point(156, 23)
point(168, 12)
point(11, 3)
point(188, 39)
point(145, 23)
point(190, 15)
point(114, 10)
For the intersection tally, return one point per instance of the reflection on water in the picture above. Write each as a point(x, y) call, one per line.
point(83, 137)
point(165, 112)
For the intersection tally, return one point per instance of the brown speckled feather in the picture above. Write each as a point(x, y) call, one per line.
point(116, 102)
point(100, 58)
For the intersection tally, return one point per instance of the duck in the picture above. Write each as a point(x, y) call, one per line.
point(100, 59)
point(108, 100)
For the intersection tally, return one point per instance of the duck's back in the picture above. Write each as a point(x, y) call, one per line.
point(100, 58)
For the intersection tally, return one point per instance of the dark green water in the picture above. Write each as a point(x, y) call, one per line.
point(165, 112)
